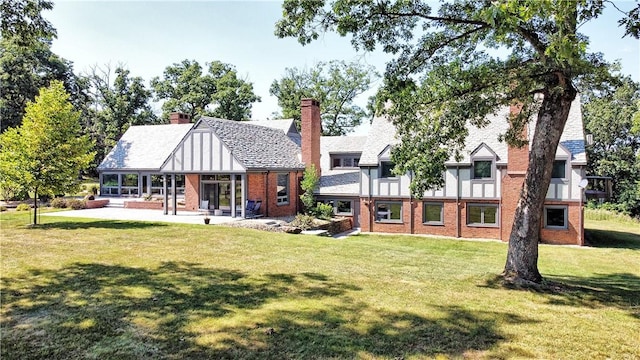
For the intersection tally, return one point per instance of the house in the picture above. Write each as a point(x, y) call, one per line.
point(228, 163)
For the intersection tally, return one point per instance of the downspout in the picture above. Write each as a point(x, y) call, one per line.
point(500, 202)
point(412, 211)
point(266, 194)
point(458, 201)
point(370, 212)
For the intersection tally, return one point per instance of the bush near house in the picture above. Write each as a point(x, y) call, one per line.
point(76, 204)
point(23, 207)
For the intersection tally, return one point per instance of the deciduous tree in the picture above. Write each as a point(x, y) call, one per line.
point(446, 73)
point(609, 117)
point(45, 154)
point(218, 92)
point(335, 84)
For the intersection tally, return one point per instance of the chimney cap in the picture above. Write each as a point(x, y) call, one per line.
point(309, 102)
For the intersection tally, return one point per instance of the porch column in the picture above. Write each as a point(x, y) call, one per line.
point(119, 184)
point(174, 195)
point(140, 187)
point(100, 181)
point(243, 194)
point(233, 196)
point(165, 185)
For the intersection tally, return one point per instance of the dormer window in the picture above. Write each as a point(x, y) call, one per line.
point(386, 169)
point(483, 169)
point(559, 169)
point(345, 161)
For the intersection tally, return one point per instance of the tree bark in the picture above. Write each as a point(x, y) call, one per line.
point(35, 206)
point(522, 257)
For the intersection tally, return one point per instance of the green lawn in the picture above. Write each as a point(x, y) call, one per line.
point(80, 288)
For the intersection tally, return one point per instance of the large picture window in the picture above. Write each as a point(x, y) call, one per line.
point(389, 211)
point(479, 215)
point(283, 189)
point(555, 217)
point(433, 213)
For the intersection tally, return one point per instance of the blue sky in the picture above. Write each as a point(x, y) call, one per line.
point(148, 36)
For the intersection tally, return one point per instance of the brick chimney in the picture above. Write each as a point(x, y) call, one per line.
point(179, 118)
point(311, 131)
point(513, 180)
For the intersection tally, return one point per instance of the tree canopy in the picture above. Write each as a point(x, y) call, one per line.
point(458, 65)
point(609, 118)
point(26, 60)
point(218, 92)
point(45, 154)
point(335, 84)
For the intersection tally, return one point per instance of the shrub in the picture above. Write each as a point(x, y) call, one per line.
point(59, 203)
point(3, 208)
point(309, 183)
point(304, 222)
point(76, 204)
point(23, 207)
point(324, 211)
point(94, 189)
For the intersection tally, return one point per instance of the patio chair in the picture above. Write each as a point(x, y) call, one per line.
point(204, 207)
point(251, 211)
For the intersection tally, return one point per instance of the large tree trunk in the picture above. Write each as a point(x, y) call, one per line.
point(522, 257)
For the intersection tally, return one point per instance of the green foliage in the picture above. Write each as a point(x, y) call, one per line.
point(58, 203)
point(309, 183)
point(446, 74)
point(335, 84)
point(76, 204)
point(120, 101)
point(94, 188)
point(304, 222)
point(324, 211)
point(23, 20)
point(608, 212)
point(610, 113)
point(218, 93)
point(23, 207)
point(3, 208)
point(46, 153)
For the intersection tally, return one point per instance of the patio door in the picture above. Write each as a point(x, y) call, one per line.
point(218, 194)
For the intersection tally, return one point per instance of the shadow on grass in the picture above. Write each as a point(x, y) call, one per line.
point(621, 291)
point(612, 239)
point(99, 224)
point(185, 310)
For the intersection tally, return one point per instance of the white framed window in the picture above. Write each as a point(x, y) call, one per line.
point(555, 217)
point(482, 214)
point(433, 213)
point(283, 189)
point(389, 211)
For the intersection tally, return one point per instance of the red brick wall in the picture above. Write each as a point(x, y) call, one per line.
point(368, 223)
point(449, 227)
point(192, 192)
point(573, 234)
point(263, 187)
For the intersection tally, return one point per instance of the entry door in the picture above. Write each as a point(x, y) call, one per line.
point(218, 194)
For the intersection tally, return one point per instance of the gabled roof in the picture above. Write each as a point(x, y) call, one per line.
point(383, 133)
point(339, 182)
point(288, 126)
point(144, 147)
point(256, 147)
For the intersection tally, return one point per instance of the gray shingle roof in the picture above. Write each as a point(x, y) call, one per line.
point(286, 125)
point(382, 133)
point(144, 147)
point(339, 182)
point(256, 147)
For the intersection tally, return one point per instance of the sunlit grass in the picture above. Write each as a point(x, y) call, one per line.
point(80, 288)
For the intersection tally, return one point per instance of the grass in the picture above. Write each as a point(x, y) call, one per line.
point(81, 288)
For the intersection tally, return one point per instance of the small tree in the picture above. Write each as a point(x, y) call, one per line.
point(46, 153)
point(309, 183)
